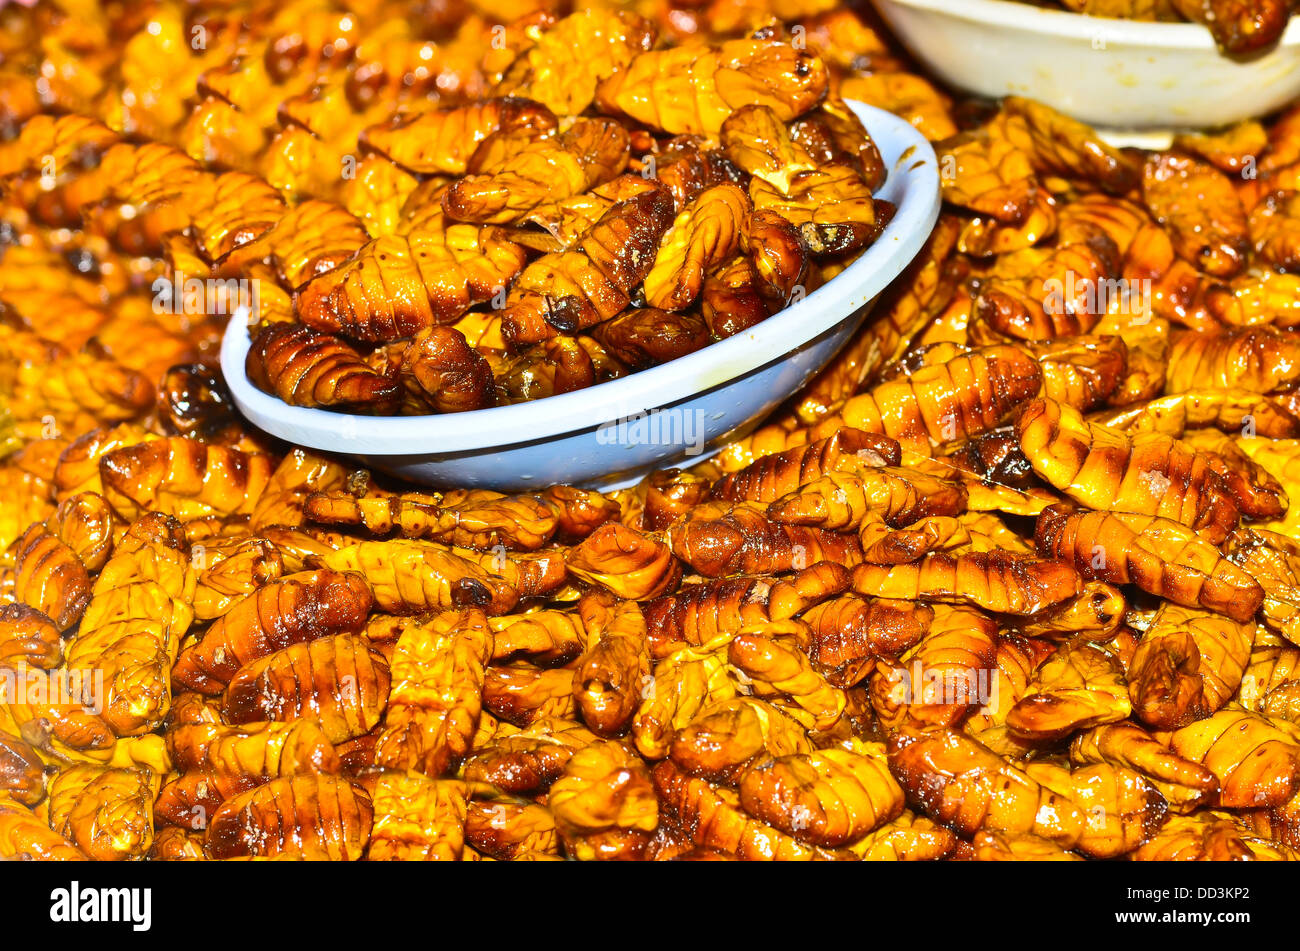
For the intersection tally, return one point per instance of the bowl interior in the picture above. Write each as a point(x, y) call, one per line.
point(912, 185)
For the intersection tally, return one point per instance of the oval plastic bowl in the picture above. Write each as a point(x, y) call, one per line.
point(681, 412)
point(1113, 74)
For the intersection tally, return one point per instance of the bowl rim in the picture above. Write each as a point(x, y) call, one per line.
point(719, 363)
point(1070, 25)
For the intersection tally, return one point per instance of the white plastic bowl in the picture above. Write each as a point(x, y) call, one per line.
point(1113, 74)
point(695, 404)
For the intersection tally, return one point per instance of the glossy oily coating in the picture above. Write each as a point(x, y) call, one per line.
point(1015, 578)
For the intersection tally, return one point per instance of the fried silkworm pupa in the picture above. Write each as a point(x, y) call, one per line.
point(1000, 581)
point(528, 762)
point(339, 682)
point(29, 636)
point(1158, 555)
point(604, 803)
point(183, 478)
point(22, 771)
point(310, 817)
point(669, 494)
point(1257, 764)
point(191, 799)
point(416, 818)
point(646, 337)
point(630, 564)
point(727, 737)
point(411, 577)
point(262, 750)
point(769, 478)
point(306, 367)
point(194, 401)
point(580, 511)
point(23, 836)
point(451, 375)
point(609, 678)
point(106, 812)
point(87, 524)
point(717, 539)
point(1185, 785)
point(299, 607)
point(50, 577)
point(830, 797)
point(849, 633)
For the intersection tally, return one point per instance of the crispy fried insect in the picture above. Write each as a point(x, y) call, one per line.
point(435, 702)
point(1180, 413)
point(1059, 145)
point(86, 524)
point(172, 844)
point(191, 799)
point(299, 607)
point(631, 564)
point(1203, 837)
point(843, 501)
point(695, 614)
point(1187, 665)
point(588, 153)
point(507, 829)
point(1078, 687)
point(50, 577)
point(530, 760)
point(228, 571)
point(1123, 810)
point(969, 395)
point(671, 493)
point(1146, 474)
point(727, 737)
point(339, 682)
point(774, 655)
point(1239, 28)
point(472, 518)
point(1250, 359)
point(24, 836)
point(684, 682)
point(963, 784)
point(610, 676)
point(646, 337)
point(442, 141)
point(1157, 554)
point(1018, 847)
point(139, 610)
point(569, 291)
point(1002, 581)
point(850, 633)
point(713, 818)
point(1269, 684)
point(1184, 784)
point(409, 577)
point(312, 238)
point(604, 803)
point(398, 285)
point(446, 372)
point(260, 750)
point(1254, 761)
point(830, 797)
point(989, 175)
point(310, 817)
point(937, 681)
point(22, 771)
point(417, 819)
point(106, 812)
point(1197, 204)
point(305, 367)
point(694, 90)
point(769, 478)
point(41, 379)
point(717, 539)
point(563, 68)
point(544, 637)
point(1275, 229)
point(704, 234)
point(184, 478)
point(580, 511)
point(519, 693)
point(1082, 372)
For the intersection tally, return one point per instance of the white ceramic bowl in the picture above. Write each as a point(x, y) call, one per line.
point(1113, 74)
point(695, 404)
